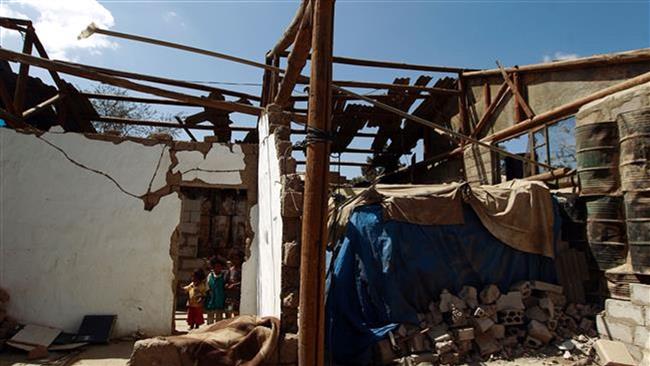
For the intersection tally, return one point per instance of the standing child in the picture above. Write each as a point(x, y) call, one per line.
point(196, 292)
point(216, 300)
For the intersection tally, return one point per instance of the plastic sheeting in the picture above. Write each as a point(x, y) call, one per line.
point(385, 272)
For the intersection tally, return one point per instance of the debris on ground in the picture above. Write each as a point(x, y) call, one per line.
point(530, 319)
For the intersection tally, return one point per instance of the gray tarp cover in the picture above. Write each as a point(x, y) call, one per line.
point(518, 213)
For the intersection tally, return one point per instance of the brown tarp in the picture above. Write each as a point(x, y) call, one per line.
point(245, 340)
point(518, 213)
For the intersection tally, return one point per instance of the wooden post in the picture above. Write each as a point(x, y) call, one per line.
point(23, 74)
point(518, 115)
point(311, 329)
point(462, 107)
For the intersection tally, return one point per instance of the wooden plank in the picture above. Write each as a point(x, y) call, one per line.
point(108, 79)
point(42, 105)
point(501, 93)
point(166, 81)
point(519, 99)
point(187, 130)
point(296, 60)
point(641, 55)
point(289, 34)
point(565, 109)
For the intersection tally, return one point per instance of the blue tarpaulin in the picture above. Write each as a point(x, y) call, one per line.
point(385, 272)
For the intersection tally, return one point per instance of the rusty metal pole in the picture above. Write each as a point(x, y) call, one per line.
point(311, 330)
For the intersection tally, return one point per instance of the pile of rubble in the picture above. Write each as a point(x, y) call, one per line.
point(473, 326)
point(8, 326)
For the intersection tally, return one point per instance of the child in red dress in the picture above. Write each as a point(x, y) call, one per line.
point(196, 295)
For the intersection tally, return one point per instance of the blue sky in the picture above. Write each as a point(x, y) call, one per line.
point(458, 33)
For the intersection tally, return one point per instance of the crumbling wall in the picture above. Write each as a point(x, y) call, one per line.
point(87, 221)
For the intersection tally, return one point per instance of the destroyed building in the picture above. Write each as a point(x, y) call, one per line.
point(524, 225)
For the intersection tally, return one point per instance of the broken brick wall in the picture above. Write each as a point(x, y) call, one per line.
point(87, 222)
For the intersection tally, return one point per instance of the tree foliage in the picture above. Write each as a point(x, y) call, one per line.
point(130, 110)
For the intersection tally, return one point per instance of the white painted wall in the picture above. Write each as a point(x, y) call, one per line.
point(270, 224)
point(72, 243)
point(249, 270)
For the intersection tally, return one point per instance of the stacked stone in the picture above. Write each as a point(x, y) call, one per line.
point(473, 325)
point(292, 201)
point(629, 322)
point(8, 325)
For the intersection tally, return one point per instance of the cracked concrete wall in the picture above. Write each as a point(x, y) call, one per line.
point(87, 220)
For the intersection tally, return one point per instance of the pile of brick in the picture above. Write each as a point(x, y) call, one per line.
point(629, 322)
point(472, 326)
point(8, 325)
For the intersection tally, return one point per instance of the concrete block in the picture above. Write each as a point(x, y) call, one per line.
point(625, 311)
point(447, 300)
point(539, 331)
point(192, 264)
point(185, 216)
point(465, 334)
point(489, 294)
point(498, 331)
point(533, 342)
point(511, 300)
point(291, 254)
point(292, 182)
point(292, 203)
point(195, 216)
point(289, 349)
point(641, 337)
point(613, 353)
point(614, 330)
point(191, 241)
point(187, 251)
point(483, 324)
point(546, 287)
point(188, 228)
point(487, 344)
point(635, 351)
point(469, 295)
point(523, 287)
point(640, 294)
point(537, 313)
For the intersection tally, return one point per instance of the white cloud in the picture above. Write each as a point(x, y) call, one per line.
point(58, 23)
point(559, 56)
point(173, 17)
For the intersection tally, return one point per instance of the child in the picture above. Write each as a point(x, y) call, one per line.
point(215, 302)
point(196, 291)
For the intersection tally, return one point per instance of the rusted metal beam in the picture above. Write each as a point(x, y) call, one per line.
point(166, 124)
point(519, 99)
point(40, 106)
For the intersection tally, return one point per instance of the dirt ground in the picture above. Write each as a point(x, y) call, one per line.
point(118, 353)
